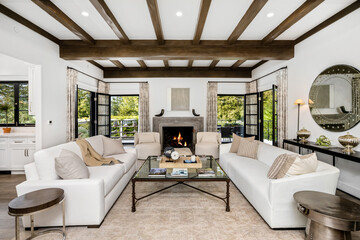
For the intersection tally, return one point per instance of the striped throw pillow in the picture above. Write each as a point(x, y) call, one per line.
point(280, 166)
point(248, 148)
point(236, 142)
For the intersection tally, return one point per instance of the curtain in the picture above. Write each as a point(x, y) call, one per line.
point(144, 118)
point(103, 87)
point(251, 87)
point(71, 81)
point(282, 93)
point(211, 108)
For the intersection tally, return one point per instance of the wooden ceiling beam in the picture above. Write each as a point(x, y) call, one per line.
point(96, 64)
point(142, 64)
point(245, 21)
point(118, 64)
point(110, 19)
point(349, 9)
point(61, 17)
point(166, 64)
point(155, 18)
point(177, 72)
point(190, 63)
point(9, 13)
point(237, 64)
point(258, 64)
point(299, 13)
point(162, 52)
point(213, 64)
point(204, 9)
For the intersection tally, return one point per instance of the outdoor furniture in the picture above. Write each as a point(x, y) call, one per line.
point(226, 133)
point(207, 143)
point(147, 144)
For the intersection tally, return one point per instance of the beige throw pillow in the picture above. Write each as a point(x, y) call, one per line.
point(236, 141)
point(286, 165)
point(146, 138)
point(248, 148)
point(210, 138)
point(113, 146)
point(70, 166)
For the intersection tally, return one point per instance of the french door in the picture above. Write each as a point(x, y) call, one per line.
point(103, 114)
point(252, 119)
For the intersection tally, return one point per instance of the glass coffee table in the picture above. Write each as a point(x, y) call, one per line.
point(207, 162)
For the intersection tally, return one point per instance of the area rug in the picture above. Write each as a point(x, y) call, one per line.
point(180, 213)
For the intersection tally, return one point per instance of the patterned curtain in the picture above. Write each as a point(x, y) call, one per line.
point(144, 118)
point(251, 87)
point(71, 78)
point(211, 108)
point(103, 87)
point(282, 93)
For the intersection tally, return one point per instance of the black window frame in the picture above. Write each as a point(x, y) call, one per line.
point(92, 113)
point(16, 105)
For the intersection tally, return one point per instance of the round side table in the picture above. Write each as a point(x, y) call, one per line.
point(35, 202)
point(329, 217)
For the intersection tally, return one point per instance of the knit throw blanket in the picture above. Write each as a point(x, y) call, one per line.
point(91, 157)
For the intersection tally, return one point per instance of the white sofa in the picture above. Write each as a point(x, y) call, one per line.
point(150, 147)
point(87, 201)
point(273, 198)
point(207, 143)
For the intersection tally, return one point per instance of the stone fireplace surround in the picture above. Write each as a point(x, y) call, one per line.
point(196, 122)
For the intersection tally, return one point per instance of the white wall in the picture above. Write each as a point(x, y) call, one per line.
point(24, 44)
point(12, 69)
point(337, 44)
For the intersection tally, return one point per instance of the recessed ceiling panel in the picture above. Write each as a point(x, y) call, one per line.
point(93, 24)
point(129, 63)
point(201, 63)
point(39, 17)
point(318, 15)
point(179, 27)
point(249, 63)
point(105, 63)
point(223, 17)
point(154, 63)
point(263, 25)
point(134, 18)
point(225, 63)
point(178, 63)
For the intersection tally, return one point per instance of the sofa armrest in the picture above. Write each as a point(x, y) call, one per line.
point(83, 197)
point(281, 191)
point(31, 171)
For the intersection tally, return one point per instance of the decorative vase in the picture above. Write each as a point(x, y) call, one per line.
point(7, 130)
point(349, 142)
point(323, 141)
point(303, 134)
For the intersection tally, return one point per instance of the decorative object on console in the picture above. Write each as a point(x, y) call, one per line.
point(4, 106)
point(160, 114)
point(323, 141)
point(175, 155)
point(168, 151)
point(349, 142)
point(298, 102)
point(334, 98)
point(194, 113)
point(303, 134)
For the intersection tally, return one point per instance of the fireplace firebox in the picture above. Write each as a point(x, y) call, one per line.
point(178, 137)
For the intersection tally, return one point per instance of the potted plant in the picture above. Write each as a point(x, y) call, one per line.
point(4, 106)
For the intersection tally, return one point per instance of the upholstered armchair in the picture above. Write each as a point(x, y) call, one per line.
point(147, 144)
point(208, 143)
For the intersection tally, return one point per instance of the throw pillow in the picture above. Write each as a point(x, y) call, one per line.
point(281, 165)
point(248, 148)
point(210, 138)
point(236, 141)
point(146, 138)
point(97, 143)
point(70, 166)
point(113, 146)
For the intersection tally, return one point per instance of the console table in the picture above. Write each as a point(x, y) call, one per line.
point(330, 150)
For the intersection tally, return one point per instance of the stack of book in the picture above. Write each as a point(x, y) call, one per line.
point(157, 172)
point(205, 172)
point(179, 172)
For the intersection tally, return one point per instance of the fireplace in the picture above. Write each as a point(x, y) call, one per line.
point(177, 137)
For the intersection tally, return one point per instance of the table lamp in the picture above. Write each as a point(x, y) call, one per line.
point(298, 102)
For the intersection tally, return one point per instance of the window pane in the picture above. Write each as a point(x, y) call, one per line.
point(24, 117)
point(268, 116)
point(84, 126)
point(7, 98)
point(124, 117)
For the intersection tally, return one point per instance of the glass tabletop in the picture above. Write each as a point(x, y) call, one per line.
point(207, 162)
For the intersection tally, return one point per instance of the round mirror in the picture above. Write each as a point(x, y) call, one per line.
point(334, 98)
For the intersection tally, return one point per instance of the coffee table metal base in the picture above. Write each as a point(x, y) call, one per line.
point(226, 199)
point(319, 231)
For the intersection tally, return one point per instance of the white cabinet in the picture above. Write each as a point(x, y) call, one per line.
point(15, 152)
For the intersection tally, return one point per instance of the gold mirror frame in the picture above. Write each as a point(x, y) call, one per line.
point(327, 108)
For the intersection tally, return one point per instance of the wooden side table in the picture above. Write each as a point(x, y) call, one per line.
point(35, 202)
point(331, 217)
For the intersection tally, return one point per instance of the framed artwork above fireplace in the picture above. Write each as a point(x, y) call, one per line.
point(178, 99)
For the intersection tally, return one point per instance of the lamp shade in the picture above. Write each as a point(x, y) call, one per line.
point(299, 102)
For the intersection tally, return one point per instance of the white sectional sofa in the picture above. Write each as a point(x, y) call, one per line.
point(87, 201)
point(273, 198)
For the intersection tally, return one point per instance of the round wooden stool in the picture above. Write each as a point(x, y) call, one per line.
point(329, 217)
point(35, 202)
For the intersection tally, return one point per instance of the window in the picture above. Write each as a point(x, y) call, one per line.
point(85, 122)
point(15, 94)
point(124, 117)
point(267, 98)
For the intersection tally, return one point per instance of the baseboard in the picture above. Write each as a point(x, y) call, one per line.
point(348, 189)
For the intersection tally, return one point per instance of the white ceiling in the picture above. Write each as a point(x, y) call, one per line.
point(105, 63)
point(154, 63)
point(178, 63)
point(225, 63)
point(201, 63)
point(249, 63)
point(129, 63)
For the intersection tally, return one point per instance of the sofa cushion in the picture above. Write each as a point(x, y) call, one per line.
point(111, 175)
point(248, 148)
point(70, 166)
point(127, 159)
point(97, 143)
point(113, 146)
point(146, 137)
point(45, 159)
point(207, 148)
point(236, 142)
point(148, 149)
point(268, 153)
point(209, 137)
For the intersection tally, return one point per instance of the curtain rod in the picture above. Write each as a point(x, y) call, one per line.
point(86, 74)
point(269, 74)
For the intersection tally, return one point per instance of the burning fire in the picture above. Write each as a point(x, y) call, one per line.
point(179, 139)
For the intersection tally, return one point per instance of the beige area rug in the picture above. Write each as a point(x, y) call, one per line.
point(181, 213)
